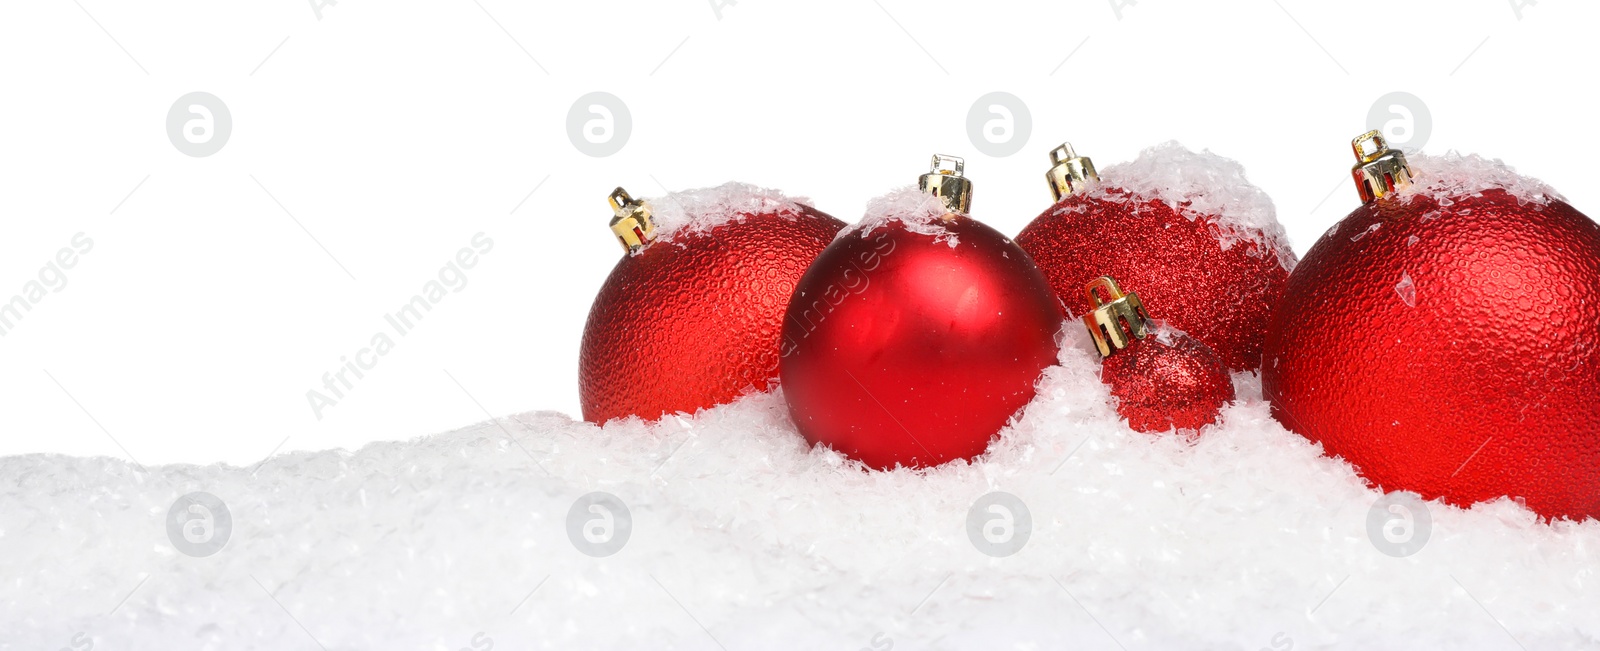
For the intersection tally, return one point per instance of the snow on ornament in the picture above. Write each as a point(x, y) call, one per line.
point(1445, 336)
point(918, 333)
point(1186, 228)
point(689, 318)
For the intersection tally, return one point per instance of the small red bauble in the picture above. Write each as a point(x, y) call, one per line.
point(1162, 378)
point(1186, 228)
point(1445, 339)
point(917, 334)
point(690, 317)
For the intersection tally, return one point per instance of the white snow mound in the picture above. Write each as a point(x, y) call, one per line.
point(1201, 184)
point(688, 212)
point(918, 211)
point(741, 536)
point(1455, 175)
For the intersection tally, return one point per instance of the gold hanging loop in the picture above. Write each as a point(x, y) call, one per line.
point(631, 221)
point(1379, 172)
point(946, 182)
point(1111, 321)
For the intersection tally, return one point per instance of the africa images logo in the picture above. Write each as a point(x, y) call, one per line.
point(452, 278)
point(52, 279)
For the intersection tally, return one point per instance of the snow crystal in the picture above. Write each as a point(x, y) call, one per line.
point(1164, 332)
point(1357, 237)
point(919, 211)
point(1406, 289)
point(739, 535)
point(1201, 183)
point(700, 210)
point(1455, 175)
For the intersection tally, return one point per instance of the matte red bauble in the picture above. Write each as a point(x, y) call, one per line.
point(918, 333)
point(1445, 336)
point(1183, 227)
point(1161, 377)
point(690, 317)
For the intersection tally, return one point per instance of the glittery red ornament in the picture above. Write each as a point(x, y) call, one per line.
point(1183, 227)
point(1162, 378)
point(1446, 339)
point(690, 317)
point(917, 334)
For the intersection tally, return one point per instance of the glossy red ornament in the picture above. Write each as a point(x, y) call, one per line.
point(1161, 377)
point(691, 319)
point(915, 337)
point(1213, 278)
point(1446, 340)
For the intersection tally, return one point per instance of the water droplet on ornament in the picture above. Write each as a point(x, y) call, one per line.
point(1406, 289)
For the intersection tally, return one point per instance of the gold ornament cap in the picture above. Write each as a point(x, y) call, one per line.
point(1069, 172)
point(946, 182)
point(1379, 172)
point(631, 220)
point(1112, 320)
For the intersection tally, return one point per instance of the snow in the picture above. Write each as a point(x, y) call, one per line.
point(688, 212)
point(919, 211)
point(1164, 332)
point(1406, 289)
point(740, 536)
point(1374, 227)
point(1200, 184)
point(1454, 175)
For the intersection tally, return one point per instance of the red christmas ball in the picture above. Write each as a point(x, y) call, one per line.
point(1170, 380)
point(690, 317)
point(1445, 338)
point(1185, 228)
point(1161, 377)
point(915, 336)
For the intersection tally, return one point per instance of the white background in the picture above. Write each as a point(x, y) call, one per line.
point(392, 132)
